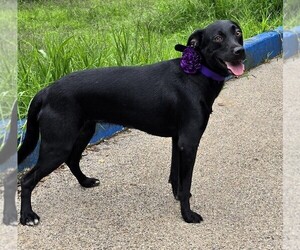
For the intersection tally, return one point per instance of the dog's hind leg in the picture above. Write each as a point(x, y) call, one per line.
point(49, 160)
point(57, 140)
point(83, 139)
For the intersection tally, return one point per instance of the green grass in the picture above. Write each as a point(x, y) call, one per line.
point(291, 11)
point(58, 37)
point(8, 69)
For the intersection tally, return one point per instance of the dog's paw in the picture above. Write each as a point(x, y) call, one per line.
point(29, 218)
point(191, 217)
point(90, 182)
point(10, 219)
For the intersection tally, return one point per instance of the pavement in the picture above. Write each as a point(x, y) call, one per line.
point(291, 159)
point(237, 183)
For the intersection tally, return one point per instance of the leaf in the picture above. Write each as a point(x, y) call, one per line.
point(43, 53)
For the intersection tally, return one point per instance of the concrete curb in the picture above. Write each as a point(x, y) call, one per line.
point(259, 48)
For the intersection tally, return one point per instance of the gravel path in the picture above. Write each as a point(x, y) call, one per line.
point(237, 184)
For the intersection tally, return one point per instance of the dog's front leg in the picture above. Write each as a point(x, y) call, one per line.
point(187, 155)
point(174, 173)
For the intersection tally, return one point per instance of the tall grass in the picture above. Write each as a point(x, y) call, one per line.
point(58, 37)
point(291, 14)
point(8, 69)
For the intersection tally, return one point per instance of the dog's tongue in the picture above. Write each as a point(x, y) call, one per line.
point(236, 68)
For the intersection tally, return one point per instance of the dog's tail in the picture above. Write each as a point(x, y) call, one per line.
point(32, 129)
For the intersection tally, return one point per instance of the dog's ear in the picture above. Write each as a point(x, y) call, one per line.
point(195, 39)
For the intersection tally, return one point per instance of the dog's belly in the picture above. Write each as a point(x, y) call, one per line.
point(155, 122)
point(164, 130)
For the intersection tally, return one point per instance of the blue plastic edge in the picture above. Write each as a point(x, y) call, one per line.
point(262, 47)
point(259, 48)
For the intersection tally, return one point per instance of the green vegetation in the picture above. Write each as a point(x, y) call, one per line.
point(8, 68)
point(57, 37)
point(291, 10)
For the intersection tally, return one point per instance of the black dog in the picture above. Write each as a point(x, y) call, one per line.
point(160, 99)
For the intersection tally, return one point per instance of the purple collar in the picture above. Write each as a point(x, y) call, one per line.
point(211, 74)
point(190, 62)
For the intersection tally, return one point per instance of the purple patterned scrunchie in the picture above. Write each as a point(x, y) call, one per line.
point(190, 61)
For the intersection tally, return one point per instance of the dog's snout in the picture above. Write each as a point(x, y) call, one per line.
point(238, 51)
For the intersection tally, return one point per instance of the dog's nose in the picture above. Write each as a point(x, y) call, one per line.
point(239, 51)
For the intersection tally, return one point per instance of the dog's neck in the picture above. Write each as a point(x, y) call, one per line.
point(211, 74)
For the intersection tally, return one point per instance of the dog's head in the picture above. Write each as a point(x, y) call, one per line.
point(221, 47)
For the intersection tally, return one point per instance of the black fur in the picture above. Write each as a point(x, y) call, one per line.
point(159, 99)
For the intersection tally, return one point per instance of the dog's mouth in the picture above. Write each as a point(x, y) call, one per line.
point(236, 68)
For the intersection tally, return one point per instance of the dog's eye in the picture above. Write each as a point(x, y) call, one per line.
point(218, 39)
point(238, 33)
